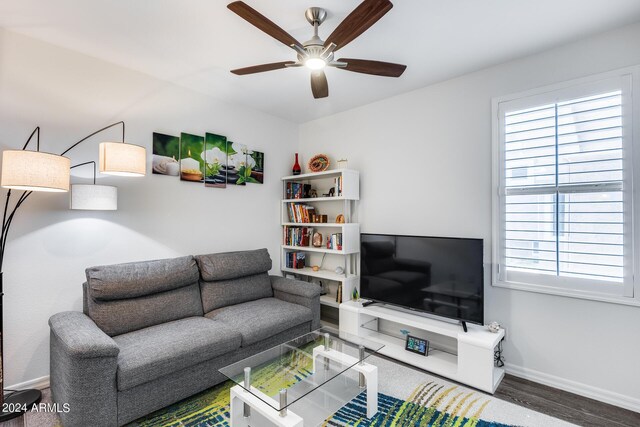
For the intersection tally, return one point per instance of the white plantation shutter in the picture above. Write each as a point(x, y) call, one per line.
point(564, 191)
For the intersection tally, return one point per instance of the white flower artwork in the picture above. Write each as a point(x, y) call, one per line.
point(216, 160)
point(214, 156)
point(237, 173)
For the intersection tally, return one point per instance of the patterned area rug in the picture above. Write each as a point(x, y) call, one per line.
point(407, 398)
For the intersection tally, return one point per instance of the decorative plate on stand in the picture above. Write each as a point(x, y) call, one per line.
point(319, 163)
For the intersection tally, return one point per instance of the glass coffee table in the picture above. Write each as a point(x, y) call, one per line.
point(303, 381)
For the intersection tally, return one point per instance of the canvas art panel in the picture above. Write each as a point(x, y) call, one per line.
point(215, 160)
point(166, 152)
point(237, 171)
point(191, 157)
point(255, 162)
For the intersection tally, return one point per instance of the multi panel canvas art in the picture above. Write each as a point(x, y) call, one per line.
point(210, 159)
point(166, 152)
point(191, 157)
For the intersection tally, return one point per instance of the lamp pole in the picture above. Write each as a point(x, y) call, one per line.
point(21, 401)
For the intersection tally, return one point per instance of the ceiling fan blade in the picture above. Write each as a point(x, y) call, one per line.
point(263, 23)
point(319, 85)
point(358, 21)
point(378, 68)
point(262, 68)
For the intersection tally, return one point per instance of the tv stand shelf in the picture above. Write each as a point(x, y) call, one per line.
point(473, 365)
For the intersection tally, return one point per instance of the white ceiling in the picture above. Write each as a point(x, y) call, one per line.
point(194, 43)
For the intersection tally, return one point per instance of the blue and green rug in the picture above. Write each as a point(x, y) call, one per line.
point(407, 398)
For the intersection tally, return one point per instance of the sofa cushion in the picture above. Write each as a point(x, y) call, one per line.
point(261, 319)
point(135, 279)
point(125, 297)
point(222, 293)
point(232, 265)
point(127, 315)
point(153, 352)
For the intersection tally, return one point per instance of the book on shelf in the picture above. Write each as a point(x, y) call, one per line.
point(339, 294)
point(335, 241)
point(300, 213)
point(296, 190)
point(296, 236)
point(295, 260)
point(337, 185)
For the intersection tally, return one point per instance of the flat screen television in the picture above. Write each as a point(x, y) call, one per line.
point(439, 275)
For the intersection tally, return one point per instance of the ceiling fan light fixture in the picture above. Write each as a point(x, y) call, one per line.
point(315, 54)
point(315, 63)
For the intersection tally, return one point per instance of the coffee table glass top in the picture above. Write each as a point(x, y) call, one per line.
point(289, 366)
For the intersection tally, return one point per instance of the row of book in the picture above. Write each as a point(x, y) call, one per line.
point(296, 190)
point(295, 260)
point(337, 184)
point(297, 236)
point(335, 241)
point(300, 213)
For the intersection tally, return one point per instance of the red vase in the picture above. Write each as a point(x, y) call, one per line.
point(296, 167)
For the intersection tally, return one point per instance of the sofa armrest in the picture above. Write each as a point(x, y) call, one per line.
point(81, 337)
point(298, 292)
point(295, 287)
point(83, 367)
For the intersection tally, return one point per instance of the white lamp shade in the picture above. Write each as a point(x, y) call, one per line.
point(35, 171)
point(119, 158)
point(93, 197)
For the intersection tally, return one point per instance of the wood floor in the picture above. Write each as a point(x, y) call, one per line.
point(564, 405)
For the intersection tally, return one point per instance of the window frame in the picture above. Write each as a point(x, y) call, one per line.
point(628, 292)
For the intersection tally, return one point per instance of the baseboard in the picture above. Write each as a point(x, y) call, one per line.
point(37, 383)
point(606, 396)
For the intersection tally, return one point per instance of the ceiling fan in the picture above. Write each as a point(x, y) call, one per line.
point(316, 54)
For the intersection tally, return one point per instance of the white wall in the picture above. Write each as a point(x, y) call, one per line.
point(425, 162)
point(71, 95)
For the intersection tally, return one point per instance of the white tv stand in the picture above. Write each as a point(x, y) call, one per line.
point(473, 365)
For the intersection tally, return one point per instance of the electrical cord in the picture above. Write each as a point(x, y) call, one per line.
point(498, 358)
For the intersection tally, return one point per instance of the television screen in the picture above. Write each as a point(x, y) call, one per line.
point(443, 276)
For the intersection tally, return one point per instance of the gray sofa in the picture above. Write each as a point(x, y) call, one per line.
point(153, 333)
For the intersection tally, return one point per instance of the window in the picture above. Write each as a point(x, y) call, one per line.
point(563, 214)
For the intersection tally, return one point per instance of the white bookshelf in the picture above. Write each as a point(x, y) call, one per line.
point(329, 258)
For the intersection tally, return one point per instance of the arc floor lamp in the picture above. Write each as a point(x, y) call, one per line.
point(32, 171)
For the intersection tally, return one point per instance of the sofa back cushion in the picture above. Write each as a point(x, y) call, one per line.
point(126, 297)
point(234, 277)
